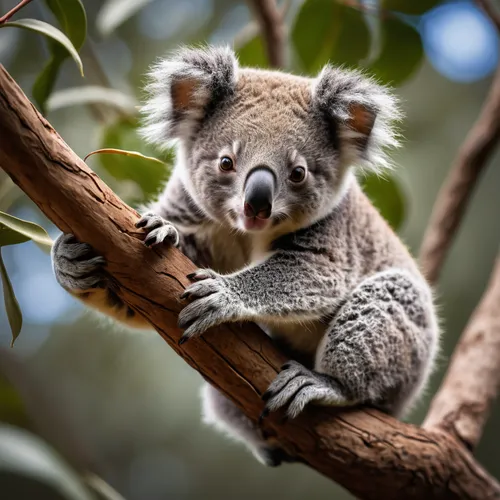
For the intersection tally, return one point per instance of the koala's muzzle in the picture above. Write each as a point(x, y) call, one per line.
point(259, 192)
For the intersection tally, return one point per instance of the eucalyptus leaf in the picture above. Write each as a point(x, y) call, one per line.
point(10, 237)
point(49, 31)
point(387, 196)
point(27, 229)
point(72, 18)
point(253, 53)
point(91, 94)
point(133, 154)
point(43, 473)
point(149, 175)
point(14, 314)
point(327, 31)
point(401, 53)
point(46, 79)
point(113, 13)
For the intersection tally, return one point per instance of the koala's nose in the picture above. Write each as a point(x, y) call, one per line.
point(259, 192)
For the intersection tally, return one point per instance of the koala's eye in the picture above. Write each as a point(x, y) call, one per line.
point(226, 164)
point(298, 174)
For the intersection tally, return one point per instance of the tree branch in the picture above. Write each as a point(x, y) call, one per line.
point(457, 189)
point(462, 404)
point(273, 30)
point(369, 453)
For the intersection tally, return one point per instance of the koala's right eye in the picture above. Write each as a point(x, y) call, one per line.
point(226, 164)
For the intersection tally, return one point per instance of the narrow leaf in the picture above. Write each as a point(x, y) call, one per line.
point(45, 81)
point(115, 12)
point(10, 237)
point(72, 18)
point(91, 94)
point(28, 229)
point(113, 151)
point(11, 304)
point(50, 31)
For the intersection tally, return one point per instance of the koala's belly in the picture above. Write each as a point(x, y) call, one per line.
point(303, 336)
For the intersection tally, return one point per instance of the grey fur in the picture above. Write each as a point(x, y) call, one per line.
point(327, 278)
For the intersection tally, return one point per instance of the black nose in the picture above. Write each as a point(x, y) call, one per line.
point(259, 192)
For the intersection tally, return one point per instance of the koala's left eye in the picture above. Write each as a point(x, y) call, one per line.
point(226, 164)
point(298, 174)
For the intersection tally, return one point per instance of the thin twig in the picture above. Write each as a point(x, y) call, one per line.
point(11, 12)
point(271, 23)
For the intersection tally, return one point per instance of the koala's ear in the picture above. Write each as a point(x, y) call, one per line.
point(184, 88)
point(361, 113)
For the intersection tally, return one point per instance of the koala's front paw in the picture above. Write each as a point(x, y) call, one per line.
point(296, 386)
point(76, 266)
point(212, 303)
point(158, 230)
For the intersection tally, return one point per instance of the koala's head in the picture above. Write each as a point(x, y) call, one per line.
point(264, 149)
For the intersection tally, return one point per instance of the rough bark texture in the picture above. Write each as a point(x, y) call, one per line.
point(462, 404)
point(371, 454)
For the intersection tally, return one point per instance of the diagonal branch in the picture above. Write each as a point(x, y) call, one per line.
point(463, 402)
point(273, 29)
point(369, 453)
point(457, 189)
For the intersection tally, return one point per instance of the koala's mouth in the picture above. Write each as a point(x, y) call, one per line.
point(254, 223)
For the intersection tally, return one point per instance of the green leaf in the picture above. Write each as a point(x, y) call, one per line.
point(10, 237)
point(115, 12)
point(149, 175)
point(401, 52)
point(91, 94)
point(49, 31)
point(29, 230)
point(327, 31)
point(253, 53)
point(132, 154)
point(413, 7)
point(45, 81)
point(387, 196)
point(11, 304)
point(72, 18)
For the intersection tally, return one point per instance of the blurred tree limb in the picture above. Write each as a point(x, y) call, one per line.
point(369, 453)
point(469, 163)
point(271, 21)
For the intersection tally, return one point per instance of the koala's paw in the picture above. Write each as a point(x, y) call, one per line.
point(296, 386)
point(212, 303)
point(273, 456)
point(76, 266)
point(158, 230)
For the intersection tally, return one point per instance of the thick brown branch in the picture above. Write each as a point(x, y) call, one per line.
point(273, 29)
point(456, 191)
point(371, 454)
point(462, 404)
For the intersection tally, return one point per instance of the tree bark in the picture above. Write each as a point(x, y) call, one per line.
point(369, 453)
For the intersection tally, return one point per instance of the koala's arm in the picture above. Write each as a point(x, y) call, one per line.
point(288, 286)
point(80, 271)
point(378, 350)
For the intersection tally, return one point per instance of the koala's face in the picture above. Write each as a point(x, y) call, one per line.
point(265, 150)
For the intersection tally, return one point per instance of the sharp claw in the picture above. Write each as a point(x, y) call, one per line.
point(285, 366)
point(263, 415)
point(141, 223)
point(266, 395)
point(185, 295)
point(183, 340)
point(191, 276)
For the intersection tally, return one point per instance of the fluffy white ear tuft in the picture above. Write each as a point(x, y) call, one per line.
point(363, 114)
point(183, 89)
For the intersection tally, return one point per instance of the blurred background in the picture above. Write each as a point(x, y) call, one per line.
point(121, 402)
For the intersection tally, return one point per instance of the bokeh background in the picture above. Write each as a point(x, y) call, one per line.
point(130, 406)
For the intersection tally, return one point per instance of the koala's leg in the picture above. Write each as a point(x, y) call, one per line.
point(79, 270)
point(378, 350)
point(225, 416)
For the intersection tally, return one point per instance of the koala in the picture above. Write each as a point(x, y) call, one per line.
point(264, 198)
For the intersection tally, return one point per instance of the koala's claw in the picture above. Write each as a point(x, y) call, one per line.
point(201, 274)
point(76, 266)
point(158, 230)
point(295, 387)
point(212, 304)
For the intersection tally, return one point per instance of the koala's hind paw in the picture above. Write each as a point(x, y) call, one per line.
point(76, 266)
point(273, 456)
point(158, 230)
point(296, 386)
